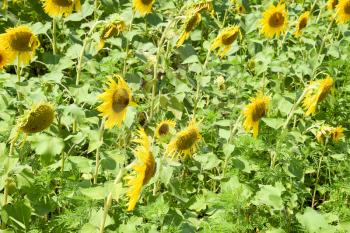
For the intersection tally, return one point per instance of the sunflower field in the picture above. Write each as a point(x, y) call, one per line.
point(175, 116)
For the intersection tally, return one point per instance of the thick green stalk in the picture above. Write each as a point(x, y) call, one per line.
point(101, 131)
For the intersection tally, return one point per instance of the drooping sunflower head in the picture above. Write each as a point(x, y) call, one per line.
point(144, 168)
point(37, 119)
point(20, 41)
point(58, 8)
point(274, 21)
point(185, 142)
point(254, 111)
point(143, 6)
point(116, 99)
point(343, 11)
point(317, 91)
point(163, 128)
point(302, 23)
point(110, 30)
point(332, 4)
point(225, 39)
point(190, 24)
point(6, 58)
point(326, 132)
point(337, 133)
point(203, 5)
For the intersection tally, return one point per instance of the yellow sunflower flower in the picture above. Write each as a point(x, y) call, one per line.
point(336, 133)
point(37, 119)
point(203, 6)
point(112, 29)
point(332, 4)
point(317, 91)
point(144, 167)
point(343, 11)
point(21, 42)
point(6, 58)
point(190, 24)
point(225, 39)
point(163, 128)
point(254, 111)
point(302, 23)
point(143, 6)
point(185, 142)
point(58, 8)
point(116, 99)
point(274, 21)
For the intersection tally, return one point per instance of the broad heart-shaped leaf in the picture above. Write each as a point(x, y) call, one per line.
point(270, 195)
point(18, 215)
point(228, 149)
point(96, 218)
point(274, 123)
point(314, 222)
point(47, 147)
point(208, 161)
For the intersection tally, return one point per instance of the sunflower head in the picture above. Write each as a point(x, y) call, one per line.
point(6, 58)
point(332, 4)
point(343, 11)
point(225, 39)
point(37, 119)
point(337, 133)
point(143, 6)
point(163, 128)
point(326, 131)
point(317, 91)
point(203, 5)
point(254, 111)
point(58, 8)
point(190, 24)
point(274, 21)
point(110, 30)
point(185, 142)
point(144, 168)
point(21, 42)
point(116, 98)
point(302, 23)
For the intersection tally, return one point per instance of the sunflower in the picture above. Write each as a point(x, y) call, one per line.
point(143, 6)
point(144, 167)
point(185, 142)
point(343, 11)
point(274, 21)
point(254, 111)
point(37, 119)
point(21, 42)
point(57, 8)
point(190, 24)
point(336, 133)
point(332, 4)
point(225, 39)
point(163, 128)
point(6, 58)
point(316, 92)
point(302, 22)
point(203, 6)
point(116, 98)
point(109, 31)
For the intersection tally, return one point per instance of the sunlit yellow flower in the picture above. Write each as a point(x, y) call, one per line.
point(143, 6)
point(302, 23)
point(254, 111)
point(37, 119)
point(343, 11)
point(190, 24)
point(21, 42)
point(56, 8)
point(144, 168)
point(203, 6)
point(163, 128)
point(240, 8)
point(225, 39)
point(332, 4)
point(316, 92)
point(274, 21)
point(336, 133)
point(185, 142)
point(112, 29)
point(116, 99)
point(6, 58)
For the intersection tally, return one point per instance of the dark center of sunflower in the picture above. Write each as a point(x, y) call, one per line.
point(334, 3)
point(146, 2)
point(163, 129)
point(120, 100)
point(23, 41)
point(63, 3)
point(259, 111)
point(276, 20)
point(1, 58)
point(150, 169)
point(186, 141)
point(228, 38)
point(347, 8)
point(191, 23)
point(110, 31)
point(324, 93)
point(303, 23)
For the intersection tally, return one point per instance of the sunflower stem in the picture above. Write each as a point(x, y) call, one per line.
point(100, 132)
point(127, 44)
point(323, 39)
point(54, 40)
point(18, 71)
point(317, 177)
